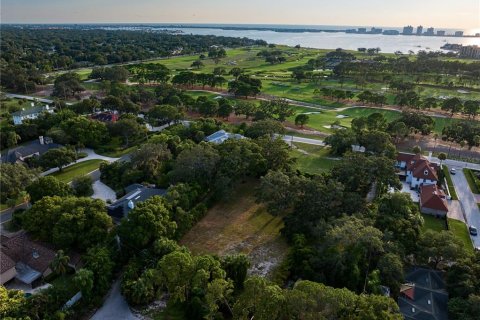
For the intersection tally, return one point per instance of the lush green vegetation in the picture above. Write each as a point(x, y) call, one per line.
point(433, 223)
point(473, 180)
point(77, 170)
point(461, 231)
point(312, 159)
point(451, 186)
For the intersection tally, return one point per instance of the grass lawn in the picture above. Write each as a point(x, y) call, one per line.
point(77, 170)
point(433, 223)
point(316, 161)
point(461, 231)
point(472, 180)
point(451, 187)
point(115, 148)
point(240, 225)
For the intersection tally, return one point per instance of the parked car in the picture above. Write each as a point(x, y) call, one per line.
point(453, 171)
point(473, 231)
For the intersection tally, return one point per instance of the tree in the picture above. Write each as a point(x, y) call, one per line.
point(147, 222)
point(301, 119)
point(85, 132)
point(164, 114)
point(225, 109)
point(391, 271)
point(14, 178)
point(58, 157)
point(264, 127)
point(68, 222)
point(276, 153)
point(83, 281)
point(60, 263)
point(236, 266)
point(245, 86)
point(442, 157)
point(48, 186)
point(400, 218)
point(341, 141)
point(99, 261)
point(246, 108)
point(439, 247)
point(151, 159)
point(471, 108)
point(67, 85)
point(417, 150)
point(11, 301)
point(128, 128)
point(197, 64)
point(83, 186)
point(275, 191)
point(196, 165)
point(453, 105)
point(208, 108)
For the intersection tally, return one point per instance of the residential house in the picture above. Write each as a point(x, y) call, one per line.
point(423, 296)
point(31, 259)
point(28, 150)
point(221, 136)
point(32, 113)
point(134, 193)
point(417, 169)
point(433, 200)
point(105, 117)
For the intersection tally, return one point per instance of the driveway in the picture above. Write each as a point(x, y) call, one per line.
point(115, 307)
point(469, 203)
point(91, 155)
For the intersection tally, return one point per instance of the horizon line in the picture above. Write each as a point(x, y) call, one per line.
point(220, 23)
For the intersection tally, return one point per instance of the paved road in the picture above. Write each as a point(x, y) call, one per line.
point(469, 203)
point(115, 307)
point(290, 139)
point(31, 98)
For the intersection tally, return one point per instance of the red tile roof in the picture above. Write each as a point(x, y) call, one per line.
point(421, 168)
point(404, 157)
point(432, 197)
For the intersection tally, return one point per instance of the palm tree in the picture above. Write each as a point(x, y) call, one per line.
point(60, 263)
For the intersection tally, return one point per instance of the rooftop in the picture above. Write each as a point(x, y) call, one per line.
point(433, 197)
point(221, 135)
point(135, 193)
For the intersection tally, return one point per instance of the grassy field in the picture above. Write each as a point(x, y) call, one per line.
point(461, 231)
point(432, 223)
point(451, 186)
point(316, 161)
point(240, 226)
point(77, 170)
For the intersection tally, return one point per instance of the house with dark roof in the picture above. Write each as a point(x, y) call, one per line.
point(32, 149)
point(30, 259)
point(221, 136)
point(433, 200)
point(32, 113)
point(418, 170)
point(105, 117)
point(423, 297)
point(134, 193)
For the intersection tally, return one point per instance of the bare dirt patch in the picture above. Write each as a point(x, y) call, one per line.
point(240, 226)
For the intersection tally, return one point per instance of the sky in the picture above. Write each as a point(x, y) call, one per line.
point(462, 14)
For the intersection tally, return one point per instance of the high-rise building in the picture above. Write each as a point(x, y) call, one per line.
point(407, 30)
point(430, 32)
point(419, 30)
point(472, 52)
point(458, 33)
point(440, 33)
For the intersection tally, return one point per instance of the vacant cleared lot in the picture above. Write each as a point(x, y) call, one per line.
point(77, 170)
point(240, 226)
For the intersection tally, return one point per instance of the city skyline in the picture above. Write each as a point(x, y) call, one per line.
point(463, 14)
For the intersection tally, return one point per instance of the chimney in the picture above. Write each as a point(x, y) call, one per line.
point(40, 138)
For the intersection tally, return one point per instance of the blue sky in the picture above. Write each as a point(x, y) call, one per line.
point(463, 14)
